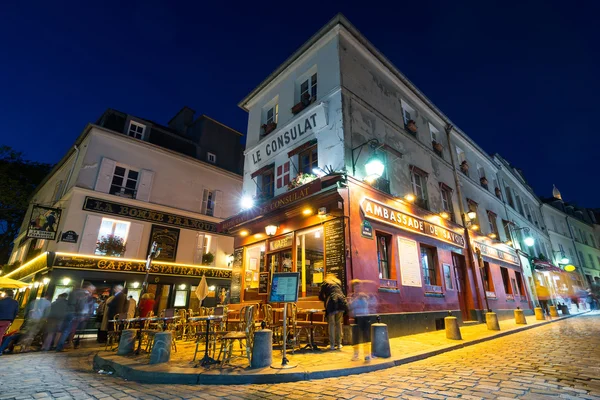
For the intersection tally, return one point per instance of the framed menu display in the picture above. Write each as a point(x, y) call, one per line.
point(284, 287)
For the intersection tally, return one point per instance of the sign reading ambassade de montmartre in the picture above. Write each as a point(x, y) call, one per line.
point(143, 214)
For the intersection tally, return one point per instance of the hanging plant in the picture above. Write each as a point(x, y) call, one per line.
point(111, 246)
point(208, 258)
point(411, 125)
point(300, 180)
point(464, 166)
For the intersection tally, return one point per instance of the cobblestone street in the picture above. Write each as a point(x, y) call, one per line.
point(558, 360)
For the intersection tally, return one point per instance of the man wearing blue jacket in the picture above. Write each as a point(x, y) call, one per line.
point(9, 308)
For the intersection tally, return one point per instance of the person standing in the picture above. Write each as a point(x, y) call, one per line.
point(146, 304)
point(131, 304)
point(118, 304)
point(9, 308)
point(332, 295)
point(361, 306)
point(56, 316)
point(35, 322)
point(78, 306)
point(103, 331)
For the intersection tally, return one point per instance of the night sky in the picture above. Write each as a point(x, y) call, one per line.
point(521, 80)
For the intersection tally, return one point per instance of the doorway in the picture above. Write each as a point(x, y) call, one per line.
point(281, 261)
point(460, 274)
point(161, 296)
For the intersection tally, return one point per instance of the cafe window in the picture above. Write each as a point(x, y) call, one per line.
point(383, 255)
point(208, 202)
point(488, 282)
point(520, 283)
point(266, 184)
point(418, 179)
point(283, 175)
point(112, 227)
point(181, 296)
point(308, 160)
point(310, 260)
point(430, 276)
point(124, 182)
point(254, 265)
point(506, 281)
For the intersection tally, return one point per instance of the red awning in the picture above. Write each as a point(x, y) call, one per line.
point(302, 147)
point(262, 170)
point(542, 265)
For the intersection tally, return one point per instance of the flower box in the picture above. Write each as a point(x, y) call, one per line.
point(301, 180)
point(437, 147)
point(464, 167)
point(302, 104)
point(411, 126)
point(498, 192)
point(268, 128)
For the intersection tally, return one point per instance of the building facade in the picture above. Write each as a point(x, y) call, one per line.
point(119, 183)
point(314, 126)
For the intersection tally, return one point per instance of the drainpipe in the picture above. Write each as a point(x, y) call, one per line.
point(71, 171)
point(461, 207)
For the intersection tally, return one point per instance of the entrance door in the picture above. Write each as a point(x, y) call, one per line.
point(161, 296)
point(281, 261)
point(460, 272)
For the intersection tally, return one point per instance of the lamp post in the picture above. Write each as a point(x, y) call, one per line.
point(374, 166)
point(154, 252)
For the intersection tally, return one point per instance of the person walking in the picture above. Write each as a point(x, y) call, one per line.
point(146, 304)
point(55, 319)
point(332, 295)
point(35, 322)
point(362, 304)
point(78, 307)
point(9, 308)
point(103, 331)
point(118, 304)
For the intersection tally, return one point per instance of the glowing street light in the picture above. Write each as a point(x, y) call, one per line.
point(247, 202)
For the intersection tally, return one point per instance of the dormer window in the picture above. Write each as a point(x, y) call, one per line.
point(136, 130)
point(211, 157)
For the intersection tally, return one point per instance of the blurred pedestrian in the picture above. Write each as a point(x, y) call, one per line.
point(332, 295)
point(543, 295)
point(9, 308)
point(118, 304)
point(103, 331)
point(36, 321)
point(146, 304)
point(361, 305)
point(56, 316)
point(78, 308)
point(131, 304)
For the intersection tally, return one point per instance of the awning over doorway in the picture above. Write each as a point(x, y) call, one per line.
point(542, 265)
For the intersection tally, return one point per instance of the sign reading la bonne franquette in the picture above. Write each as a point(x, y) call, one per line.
point(291, 134)
point(383, 213)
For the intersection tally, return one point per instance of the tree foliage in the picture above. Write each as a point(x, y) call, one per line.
point(18, 180)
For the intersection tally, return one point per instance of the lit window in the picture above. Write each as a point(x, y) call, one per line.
point(208, 202)
point(492, 221)
point(136, 130)
point(212, 158)
point(112, 227)
point(383, 255)
point(447, 200)
point(308, 160)
point(428, 264)
point(124, 182)
point(418, 180)
point(283, 175)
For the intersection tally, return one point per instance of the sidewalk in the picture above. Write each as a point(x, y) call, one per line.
point(309, 365)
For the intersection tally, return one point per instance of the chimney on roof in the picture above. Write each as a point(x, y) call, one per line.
point(182, 119)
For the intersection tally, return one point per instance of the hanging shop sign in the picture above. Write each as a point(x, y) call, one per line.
point(290, 135)
point(281, 242)
point(272, 205)
point(378, 211)
point(43, 222)
point(496, 254)
point(166, 240)
point(143, 214)
point(366, 229)
point(69, 237)
point(136, 266)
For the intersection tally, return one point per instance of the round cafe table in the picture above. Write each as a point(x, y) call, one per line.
point(311, 340)
point(207, 360)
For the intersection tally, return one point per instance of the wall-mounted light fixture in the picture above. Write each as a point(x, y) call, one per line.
point(374, 166)
point(271, 230)
point(46, 281)
point(247, 202)
point(410, 197)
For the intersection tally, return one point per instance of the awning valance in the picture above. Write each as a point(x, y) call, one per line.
point(542, 265)
point(262, 170)
point(302, 147)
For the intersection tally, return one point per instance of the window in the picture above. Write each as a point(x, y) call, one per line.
point(591, 261)
point(383, 255)
point(506, 226)
point(308, 160)
point(254, 264)
point(506, 281)
point(448, 277)
point(283, 175)
point(509, 196)
point(266, 184)
point(434, 133)
point(309, 256)
point(447, 200)
point(418, 179)
point(515, 290)
point(136, 130)
point(582, 259)
point(428, 264)
point(408, 113)
point(124, 182)
point(520, 205)
point(554, 224)
point(202, 247)
point(308, 88)
point(520, 283)
point(115, 228)
point(472, 206)
point(272, 114)
point(528, 212)
point(488, 282)
point(460, 154)
point(592, 241)
point(208, 202)
point(480, 171)
point(492, 220)
point(212, 158)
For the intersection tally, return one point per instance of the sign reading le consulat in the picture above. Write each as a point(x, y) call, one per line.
point(143, 214)
point(112, 265)
point(383, 213)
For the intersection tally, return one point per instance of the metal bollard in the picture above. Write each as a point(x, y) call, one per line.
point(127, 342)
point(553, 311)
point(262, 351)
point(452, 329)
point(161, 350)
point(380, 341)
point(491, 320)
point(520, 317)
point(539, 314)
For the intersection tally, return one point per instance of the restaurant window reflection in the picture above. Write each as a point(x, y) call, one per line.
point(254, 263)
point(309, 260)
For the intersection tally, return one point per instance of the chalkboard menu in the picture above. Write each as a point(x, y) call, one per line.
point(335, 257)
point(236, 276)
point(263, 283)
point(167, 239)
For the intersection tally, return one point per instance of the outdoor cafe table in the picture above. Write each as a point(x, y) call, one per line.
point(207, 360)
point(311, 341)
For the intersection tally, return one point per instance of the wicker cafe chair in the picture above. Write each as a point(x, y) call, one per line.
point(291, 327)
point(217, 329)
point(113, 337)
point(246, 335)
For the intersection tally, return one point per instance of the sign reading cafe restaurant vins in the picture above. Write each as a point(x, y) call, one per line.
point(378, 211)
point(295, 132)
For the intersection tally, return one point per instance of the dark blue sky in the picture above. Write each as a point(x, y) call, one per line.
point(521, 80)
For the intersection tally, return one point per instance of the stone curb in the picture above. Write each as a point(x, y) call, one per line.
point(131, 370)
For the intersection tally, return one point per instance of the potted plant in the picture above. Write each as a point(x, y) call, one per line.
point(208, 258)
point(111, 246)
point(483, 180)
point(411, 125)
point(437, 146)
point(498, 192)
point(270, 127)
point(464, 167)
point(304, 102)
point(300, 180)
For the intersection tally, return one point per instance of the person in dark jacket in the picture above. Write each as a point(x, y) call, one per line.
point(77, 306)
point(118, 305)
point(332, 295)
point(56, 316)
point(9, 308)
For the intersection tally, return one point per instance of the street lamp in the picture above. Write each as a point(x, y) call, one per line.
point(529, 240)
point(374, 166)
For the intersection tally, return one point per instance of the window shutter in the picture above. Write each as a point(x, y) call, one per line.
point(105, 175)
point(145, 185)
point(204, 205)
point(134, 237)
point(90, 234)
point(217, 204)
